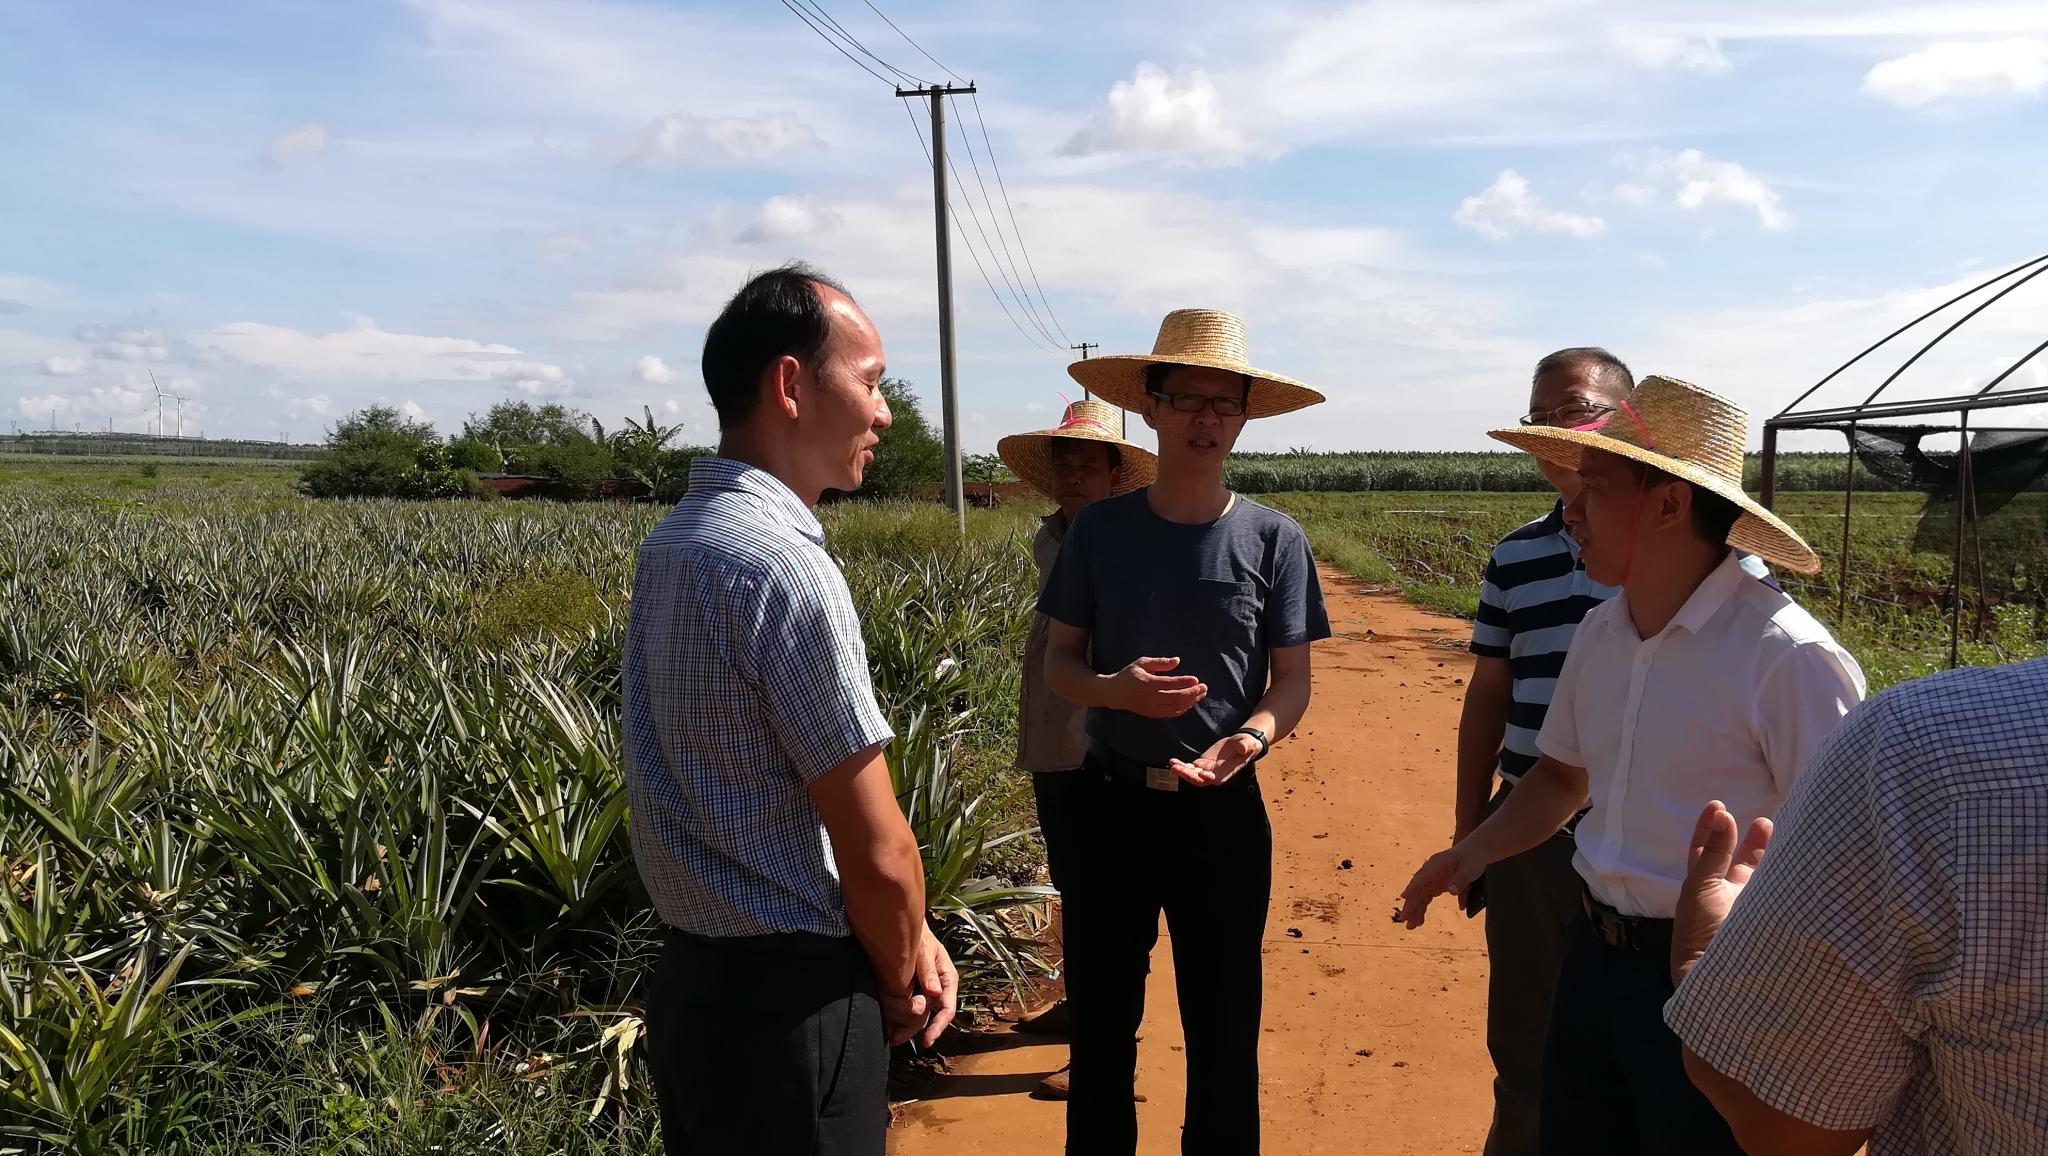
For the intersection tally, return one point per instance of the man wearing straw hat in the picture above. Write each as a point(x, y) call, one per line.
point(1075, 464)
point(1695, 683)
point(1534, 595)
point(1181, 617)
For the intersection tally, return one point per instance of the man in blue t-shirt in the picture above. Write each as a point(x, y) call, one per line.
point(1181, 617)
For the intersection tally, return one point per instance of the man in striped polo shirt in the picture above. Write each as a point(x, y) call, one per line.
point(1535, 594)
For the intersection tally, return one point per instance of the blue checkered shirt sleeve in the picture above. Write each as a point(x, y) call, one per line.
point(810, 667)
point(1887, 966)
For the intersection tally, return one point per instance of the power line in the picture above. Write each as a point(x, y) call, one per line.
point(908, 40)
point(827, 38)
point(954, 214)
point(974, 216)
point(1013, 220)
point(819, 10)
point(1024, 298)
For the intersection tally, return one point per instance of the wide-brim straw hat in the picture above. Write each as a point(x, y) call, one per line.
point(1029, 455)
point(1689, 433)
point(1206, 338)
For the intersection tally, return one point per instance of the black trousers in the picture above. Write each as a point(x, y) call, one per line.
point(770, 1045)
point(1053, 791)
point(1614, 1081)
point(1204, 856)
point(1532, 903)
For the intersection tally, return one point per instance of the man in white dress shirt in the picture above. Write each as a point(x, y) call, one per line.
point(1695, 683)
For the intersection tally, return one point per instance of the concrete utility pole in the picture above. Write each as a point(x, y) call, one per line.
point(949, 397)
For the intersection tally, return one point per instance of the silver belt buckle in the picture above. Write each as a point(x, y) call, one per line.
point(1161, 779)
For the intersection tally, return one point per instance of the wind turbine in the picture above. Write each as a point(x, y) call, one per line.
point(161, 394)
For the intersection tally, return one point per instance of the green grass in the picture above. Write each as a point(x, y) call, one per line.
point(1432, 548)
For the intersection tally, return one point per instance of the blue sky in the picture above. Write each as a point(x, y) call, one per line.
point(287, 209)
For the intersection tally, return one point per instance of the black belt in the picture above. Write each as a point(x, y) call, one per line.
point(1157, 778)
point(1627, 932)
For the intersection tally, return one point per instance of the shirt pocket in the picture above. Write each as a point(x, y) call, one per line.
point(1221, 614)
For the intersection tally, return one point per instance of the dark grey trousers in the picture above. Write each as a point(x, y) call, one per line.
point(1532, 901)
point(768, 1046)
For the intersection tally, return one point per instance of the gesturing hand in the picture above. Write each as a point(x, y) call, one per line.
point(1217, 765)
point(1717, 872)
point(1147, 689)
point(1451, 871)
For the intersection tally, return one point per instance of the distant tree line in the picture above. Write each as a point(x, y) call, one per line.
point(379, 452)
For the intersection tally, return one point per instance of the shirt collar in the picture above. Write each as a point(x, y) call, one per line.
point(1712, 594)
point(777, 499)
point(1050, 526)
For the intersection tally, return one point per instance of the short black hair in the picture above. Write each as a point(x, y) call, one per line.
point(1157, 373)
point(1610, 371)
point(1713, 516)
point(1116, 456)
point(775, 314)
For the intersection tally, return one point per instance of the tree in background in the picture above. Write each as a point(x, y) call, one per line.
point(380, 453)
point(909, 455)
point(641, 454)
point(984, 468)
point(545, 441)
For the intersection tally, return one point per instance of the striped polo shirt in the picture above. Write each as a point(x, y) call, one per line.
point(1535, 594)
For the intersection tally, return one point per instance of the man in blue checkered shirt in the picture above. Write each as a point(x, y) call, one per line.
point(765, 824)
point(1883, 978)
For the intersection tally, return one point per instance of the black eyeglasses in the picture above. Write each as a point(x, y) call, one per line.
point(1571, 416)
point(1197, 402)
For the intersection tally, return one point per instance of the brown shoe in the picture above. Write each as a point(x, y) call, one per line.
point(1054, 1087)
point(1056, 1020)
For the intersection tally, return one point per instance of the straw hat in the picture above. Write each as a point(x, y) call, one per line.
point(1689, 433)
point(1208, 338)
point(1029, 455)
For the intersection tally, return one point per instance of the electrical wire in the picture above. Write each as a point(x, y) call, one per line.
point(826, 37)
point(818, 9)
point(1013, 220)
point(1015, 276)
point(908, 40)
point(955, 215)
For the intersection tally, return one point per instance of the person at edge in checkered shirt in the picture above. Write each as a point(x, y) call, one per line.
point(1075, 464)
point(1695, 683)
point(1535, 592)
point(764, 822)
point(1884, 977)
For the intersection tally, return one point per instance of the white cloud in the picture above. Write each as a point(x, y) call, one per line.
point(63, 366)
point(1036, 407)
point(785, 218)
point(413, 410)
point(130, 406)
point(125, 342)
point(1658, 50)
point(364, 351)
point(654, 371)
point(1635, 193)
point(1697, 181)
point(10, 306)
point(302, 143)
point(1154, 113)
point(1508, 207)
point(681, 138)
point(537, 378)
point(317, 405)
point(1960, 70)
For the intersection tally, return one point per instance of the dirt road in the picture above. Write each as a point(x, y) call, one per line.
point(1375, 1039)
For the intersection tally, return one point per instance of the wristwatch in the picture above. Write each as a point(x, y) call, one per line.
point(1258, 734)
